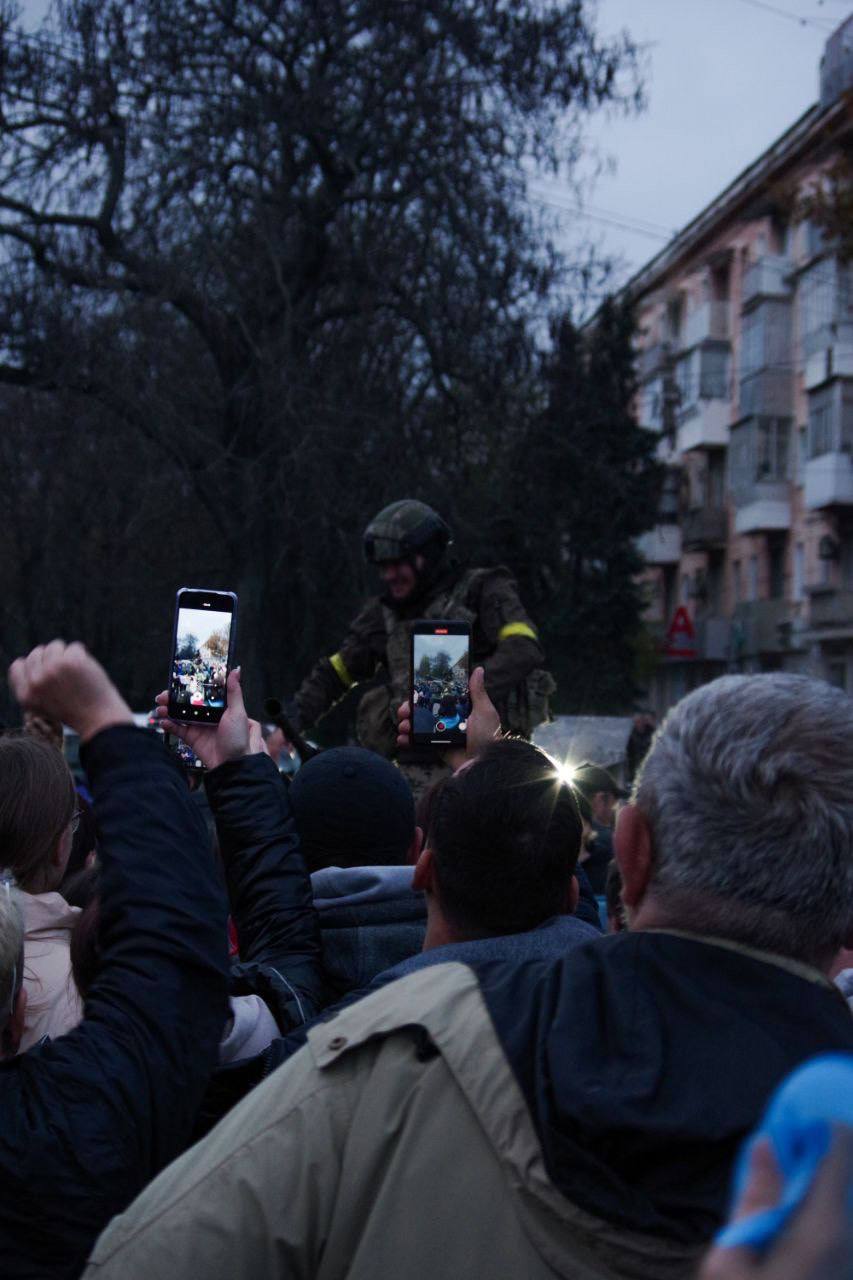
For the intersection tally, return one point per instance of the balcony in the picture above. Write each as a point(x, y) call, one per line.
point(652, 360)
point(769, 277)
point(762, 626)
point(661, 545)
point(713, 638)
point(762, 507)
point(829, 354)
point(832, 609)
point(704, 528)
point(767, 393)
point(705, 425)
point(708, 323)
point(829, 481)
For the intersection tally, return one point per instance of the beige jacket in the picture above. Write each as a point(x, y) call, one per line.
point(53, 1003)
point(370, 1155)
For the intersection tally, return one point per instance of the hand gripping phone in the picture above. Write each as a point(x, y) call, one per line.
point(202, 654)
point(438, 695)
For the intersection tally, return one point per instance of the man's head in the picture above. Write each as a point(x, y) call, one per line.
point(502, 846)
point(406, 541)
point(600, 790)
point(742, 822)
point(352, 809)
point(13, 998)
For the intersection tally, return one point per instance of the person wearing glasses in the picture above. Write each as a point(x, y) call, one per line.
point(38, 818)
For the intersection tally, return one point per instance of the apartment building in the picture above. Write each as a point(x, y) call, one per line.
point(746, 375)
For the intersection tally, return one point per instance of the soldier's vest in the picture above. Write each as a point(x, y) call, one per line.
point(376, 719)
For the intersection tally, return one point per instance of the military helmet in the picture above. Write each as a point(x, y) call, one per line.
point(404, 528)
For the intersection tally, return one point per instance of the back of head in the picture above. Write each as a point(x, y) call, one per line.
point(37, 802)
point(748, 790)
point(352, 808)
point(505, 835)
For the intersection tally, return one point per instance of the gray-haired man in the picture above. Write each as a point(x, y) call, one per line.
point(578, 1118)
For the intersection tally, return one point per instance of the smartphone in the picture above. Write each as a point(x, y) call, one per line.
point(184, 752)
point(202, 654)
point(438, 696)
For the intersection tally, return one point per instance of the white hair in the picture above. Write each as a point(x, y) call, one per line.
point(748, 789)
point(11, 946)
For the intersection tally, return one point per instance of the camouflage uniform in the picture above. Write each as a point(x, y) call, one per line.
point(377, 644)
point(503, 641)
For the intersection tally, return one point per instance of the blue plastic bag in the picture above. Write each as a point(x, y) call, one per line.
point(798, 1122)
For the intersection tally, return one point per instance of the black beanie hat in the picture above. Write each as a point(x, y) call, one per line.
point(352, 809)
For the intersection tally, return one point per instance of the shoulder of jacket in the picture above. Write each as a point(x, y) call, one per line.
point(442, 999)
point(495, 578)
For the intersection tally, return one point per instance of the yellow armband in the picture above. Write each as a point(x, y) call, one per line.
point(340, 669)
point(517, 629)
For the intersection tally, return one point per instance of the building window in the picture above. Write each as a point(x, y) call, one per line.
point(837, 674)
point(771, 458)
point(753, 578)
point(802, 450)
point(776, 566)
point(765, 349)
point(716, 481)
point(824, 299)
point(651, 405)
point(715, 583)
point(799, 584)
point(675, 317)
point(737, 585)
point(846, 418)
point(821, 422)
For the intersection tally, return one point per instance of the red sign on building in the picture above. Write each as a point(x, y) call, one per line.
point(680, 639)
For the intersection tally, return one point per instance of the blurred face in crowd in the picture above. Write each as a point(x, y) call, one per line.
point(401, 576)
point(603, 805)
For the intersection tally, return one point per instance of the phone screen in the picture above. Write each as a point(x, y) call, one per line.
point(202, 651)
point(441, 660)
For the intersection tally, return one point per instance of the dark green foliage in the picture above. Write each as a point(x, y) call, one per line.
point(586, 484)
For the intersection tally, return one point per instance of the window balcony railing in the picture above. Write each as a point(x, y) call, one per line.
point(704, 528)
point(767, 277)
point(767, 393)
point(762, 626)
point(707, 323)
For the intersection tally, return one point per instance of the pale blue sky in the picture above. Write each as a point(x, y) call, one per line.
point(726, 78)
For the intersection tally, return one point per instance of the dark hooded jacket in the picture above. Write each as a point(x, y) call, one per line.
point(91, 1117)
point(577, 1118)
point(646, 1058)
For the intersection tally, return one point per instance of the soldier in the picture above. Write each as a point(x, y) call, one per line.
point(410, 545)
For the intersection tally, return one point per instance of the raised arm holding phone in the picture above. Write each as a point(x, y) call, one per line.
point(89, 1118)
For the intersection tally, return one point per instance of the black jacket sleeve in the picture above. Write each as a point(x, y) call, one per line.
point(269, 890)
point(361, 651)
point(91, 1117)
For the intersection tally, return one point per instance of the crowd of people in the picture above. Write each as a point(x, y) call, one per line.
point(199, 682)
point(362, 1034)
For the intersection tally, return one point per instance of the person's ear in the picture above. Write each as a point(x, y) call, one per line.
point(632, 844)
point(415, 847)
point(573, 896)
point(424, 876)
